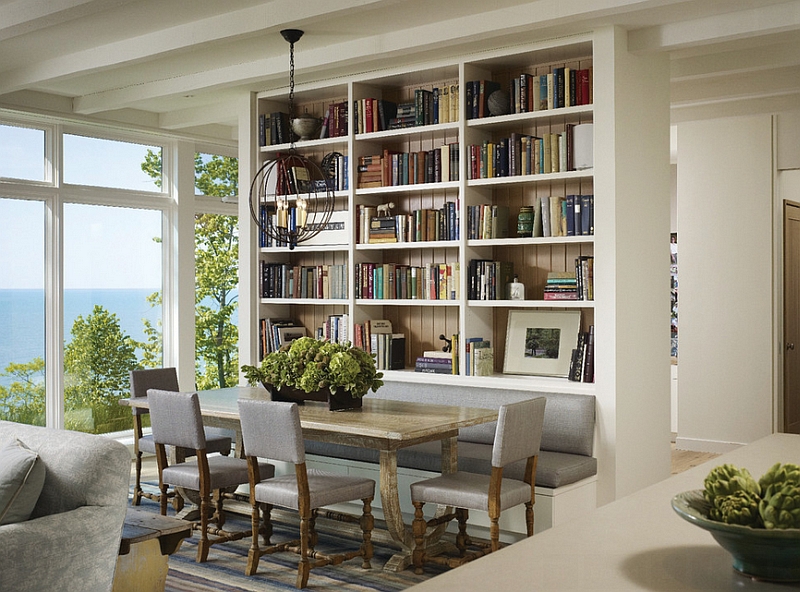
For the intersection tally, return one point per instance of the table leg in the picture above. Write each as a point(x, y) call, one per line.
point(390, 500)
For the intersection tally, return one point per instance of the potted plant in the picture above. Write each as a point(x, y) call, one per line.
point(311, 369)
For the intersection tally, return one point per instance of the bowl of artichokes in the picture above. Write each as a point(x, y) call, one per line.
point(756, 521)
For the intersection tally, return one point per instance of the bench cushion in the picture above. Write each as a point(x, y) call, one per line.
point(554, 469)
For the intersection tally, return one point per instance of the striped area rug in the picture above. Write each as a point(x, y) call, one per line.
point(224, 570)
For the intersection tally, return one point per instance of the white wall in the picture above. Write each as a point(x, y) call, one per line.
point(725, 233)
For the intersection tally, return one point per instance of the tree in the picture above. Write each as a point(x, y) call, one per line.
point(23, 400)
point(97, 365)
point(216, 274)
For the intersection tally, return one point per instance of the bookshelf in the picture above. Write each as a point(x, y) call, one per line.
point(444, 199)
point(630, 181)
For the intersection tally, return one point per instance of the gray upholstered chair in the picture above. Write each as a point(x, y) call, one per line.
point(176, 421)
point(272, 429)
point(517, 436)
point(165, 379)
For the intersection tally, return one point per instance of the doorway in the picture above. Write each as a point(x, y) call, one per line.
point(791, 317)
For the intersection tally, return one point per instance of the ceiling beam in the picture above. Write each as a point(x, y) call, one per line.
point(764, 20)
point(25, 16)
point(739, 61)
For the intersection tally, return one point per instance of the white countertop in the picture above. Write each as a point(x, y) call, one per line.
point(635, 543)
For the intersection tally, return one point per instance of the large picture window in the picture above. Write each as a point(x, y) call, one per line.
point(22, 153)
point(22, 312)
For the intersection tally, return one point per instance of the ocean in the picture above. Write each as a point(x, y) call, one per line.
point(22, 318)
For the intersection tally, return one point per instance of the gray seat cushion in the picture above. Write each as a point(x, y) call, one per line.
point(554, 469)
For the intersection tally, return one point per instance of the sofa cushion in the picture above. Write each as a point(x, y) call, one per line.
point(21, 480)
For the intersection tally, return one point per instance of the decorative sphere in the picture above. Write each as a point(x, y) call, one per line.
point(498, 102)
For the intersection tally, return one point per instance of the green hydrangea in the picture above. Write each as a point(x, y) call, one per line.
point(310, 364)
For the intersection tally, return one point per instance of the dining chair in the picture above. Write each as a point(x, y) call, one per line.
point(272, 429)
point(165, 379)
point(176, 421)
point(517, 437)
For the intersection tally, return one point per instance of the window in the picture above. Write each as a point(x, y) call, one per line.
point(22, 312)
point(112, 310)
point(22, 153)
point(216, 276)
point(110, 163)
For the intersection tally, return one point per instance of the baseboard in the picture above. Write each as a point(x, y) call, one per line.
point(699, 445)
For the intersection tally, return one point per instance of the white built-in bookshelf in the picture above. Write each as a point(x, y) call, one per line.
point(630, 181)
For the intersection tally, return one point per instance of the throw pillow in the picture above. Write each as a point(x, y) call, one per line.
point(21, 480)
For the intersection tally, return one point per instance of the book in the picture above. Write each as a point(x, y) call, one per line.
point(484, 361)
point(588, 364)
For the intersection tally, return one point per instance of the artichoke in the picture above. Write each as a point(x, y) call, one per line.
point(780, 473)
point(780, 503)
point(740, 507)
point(725, 480)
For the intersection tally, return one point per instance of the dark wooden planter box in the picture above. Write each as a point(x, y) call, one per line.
point(337, 401)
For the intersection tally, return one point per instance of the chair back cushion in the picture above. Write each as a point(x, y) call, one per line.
point(175, 419)
point(165, 379)
point(271, 429)
point(519, 431)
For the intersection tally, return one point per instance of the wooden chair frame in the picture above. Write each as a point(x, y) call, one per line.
point(463, 540)
point(305, 545)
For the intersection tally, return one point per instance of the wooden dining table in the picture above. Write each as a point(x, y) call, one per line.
point(380, 424)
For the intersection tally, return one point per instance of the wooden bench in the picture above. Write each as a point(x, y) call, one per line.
point(148, 540)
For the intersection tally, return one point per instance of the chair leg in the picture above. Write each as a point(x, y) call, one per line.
point(462, 538)
point(367, 524)
point(266, 523)
point(219, 510)
point(529, 518)
point(162, 499)
point(253, 555)
point(494, 532)
point(304, 567)
point(312, 531)
point(137, 489)
point(419, 526)
point(204, 544)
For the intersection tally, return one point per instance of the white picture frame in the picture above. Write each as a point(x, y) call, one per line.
point(540, 342)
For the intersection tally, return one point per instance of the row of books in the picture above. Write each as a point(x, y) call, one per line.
point(426, 224)
point(557, 215)
point(487, 221)
point(376, 336)
point(276, 332)
point(334, 329)
point(388, 281)
point(439, 105)
point(335, 166)
point(563, 87)
point(479, 357)
point(273, 129)
point(581, 367)
point(522, 154)
point(435, 362)
point(488, 280)
point(391, 168)
point(572, 285)
point(334, 122)
point(282, 280)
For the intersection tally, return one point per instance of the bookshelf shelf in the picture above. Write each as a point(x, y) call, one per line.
point(540, 178)
point(304, 145)
point(513, 120)
point(406, 302)
point(407, 132)
point(519, 241)
point(305, 301)
point(407, 245)
point(414, 188)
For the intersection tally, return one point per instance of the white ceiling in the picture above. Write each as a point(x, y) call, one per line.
point(182, 64)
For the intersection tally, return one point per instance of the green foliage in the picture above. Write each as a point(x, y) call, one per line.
point(97, 363)
point(311, 365)
point(216, 277)
point(23, 400)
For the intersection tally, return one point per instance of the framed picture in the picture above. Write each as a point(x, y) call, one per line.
point(540, 342)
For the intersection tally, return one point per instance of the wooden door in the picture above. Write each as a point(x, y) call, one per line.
point(791, 317)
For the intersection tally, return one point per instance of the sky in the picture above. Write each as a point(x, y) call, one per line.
point(104, 247)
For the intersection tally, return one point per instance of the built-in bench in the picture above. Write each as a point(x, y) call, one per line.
point(565, 474)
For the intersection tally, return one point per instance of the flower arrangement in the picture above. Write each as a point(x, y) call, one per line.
point(311, 365)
